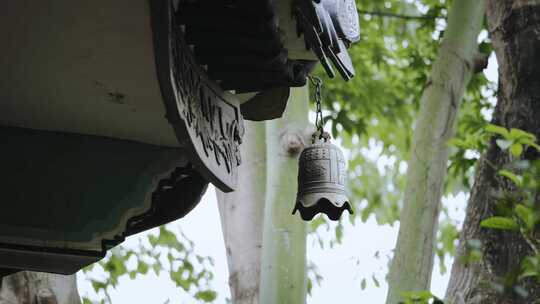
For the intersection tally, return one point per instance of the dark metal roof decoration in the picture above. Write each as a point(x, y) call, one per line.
point(266, 105)
point(206, 119)
point(174, 197)
point(242, 47)
point(329, 28)
point(240, 44)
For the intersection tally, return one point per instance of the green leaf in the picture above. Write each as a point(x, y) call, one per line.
point(375, 281)
point(363, 284)
point(157, 268)
point(516, 149)
point(176, 277)
point(153, 240)
point(516, 179)
point(98, 285)
point(499, 222)
point(523, 212)
point(88, 268)
point(309, 286)
point(188, 266)
point(316, 223)
point(86, 300)
point(498, 130)
point(529, 267)
point(206, 295)
point(339, 233)
point(417, 296)
point(142, 267)
point(458, 143)
point(527, 215)
point(520, 134)
point(168, 239)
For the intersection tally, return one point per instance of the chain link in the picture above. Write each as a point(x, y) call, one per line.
point(319, 123)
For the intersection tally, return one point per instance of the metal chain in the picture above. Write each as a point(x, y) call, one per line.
point(319, 123)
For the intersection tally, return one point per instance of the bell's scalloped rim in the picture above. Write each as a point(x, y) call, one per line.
point(331, 204)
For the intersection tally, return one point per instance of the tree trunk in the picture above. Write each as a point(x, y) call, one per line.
point(283, 273)
point(242, 217)
point(39, 288)
point(413, 258)
point(514, 27)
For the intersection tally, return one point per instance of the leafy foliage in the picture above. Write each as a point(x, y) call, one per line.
point(313, 277)
point(373, 114)
point(375, 110)
point(516, 212)
point(499, 222)
point(165, 252)
point(420, 297)
point(518, 205)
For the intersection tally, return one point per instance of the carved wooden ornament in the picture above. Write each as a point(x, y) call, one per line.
point(206, 119)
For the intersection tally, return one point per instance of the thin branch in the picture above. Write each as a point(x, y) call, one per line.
point(394, 15)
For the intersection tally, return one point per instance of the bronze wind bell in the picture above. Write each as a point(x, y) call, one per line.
point(321, 173)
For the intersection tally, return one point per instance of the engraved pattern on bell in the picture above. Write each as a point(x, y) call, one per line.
point(321, 182)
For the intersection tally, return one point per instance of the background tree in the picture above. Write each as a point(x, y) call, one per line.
point(242, 217)
point(38, 288)
point(270, 269)
point(505, 269)
point(283, 272)
point(412, 264)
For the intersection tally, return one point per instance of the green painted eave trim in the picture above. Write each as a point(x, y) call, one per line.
point(74, 191)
